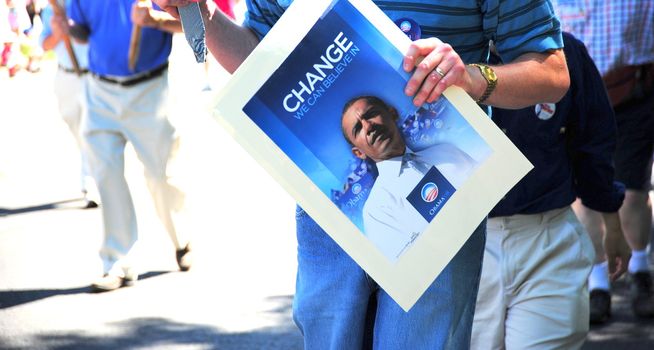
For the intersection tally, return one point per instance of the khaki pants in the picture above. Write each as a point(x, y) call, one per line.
point(136, 114)
point(533, 292)
point(69, 89)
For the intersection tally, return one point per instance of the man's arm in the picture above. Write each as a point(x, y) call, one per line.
point(616, 248)
point(228, 42)
point(530, 79)
point(524, 34)
point(591, 145)
point(51, 41)
point(608, 239)
point(48, 39)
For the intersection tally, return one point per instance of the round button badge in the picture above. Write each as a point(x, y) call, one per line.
point(410, 27)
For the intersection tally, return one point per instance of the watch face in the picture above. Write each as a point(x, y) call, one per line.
point(490, 73)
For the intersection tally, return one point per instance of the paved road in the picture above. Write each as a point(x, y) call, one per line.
point(237, 296)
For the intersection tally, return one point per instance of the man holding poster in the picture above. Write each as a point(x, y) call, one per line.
point(332, 291)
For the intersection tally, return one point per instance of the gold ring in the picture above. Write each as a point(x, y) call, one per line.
point(439, 72)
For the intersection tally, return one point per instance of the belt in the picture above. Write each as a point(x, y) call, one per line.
point(626, 83)
point(136, 80)
point(71, 70)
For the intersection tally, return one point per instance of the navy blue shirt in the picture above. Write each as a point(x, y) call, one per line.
point(110, 26)
point(570, 144)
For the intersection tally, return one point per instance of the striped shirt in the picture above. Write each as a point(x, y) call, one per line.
point(516, 27)
point(616, 33)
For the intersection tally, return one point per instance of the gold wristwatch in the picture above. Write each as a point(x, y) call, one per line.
point(489, 74)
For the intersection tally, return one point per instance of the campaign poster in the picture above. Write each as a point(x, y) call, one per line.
point(300, 107)
point(321, 104)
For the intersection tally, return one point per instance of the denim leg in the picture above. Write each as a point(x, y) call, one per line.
point(442, 317)
point(332, 291)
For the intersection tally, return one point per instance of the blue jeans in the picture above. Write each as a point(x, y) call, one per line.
point(332, 295)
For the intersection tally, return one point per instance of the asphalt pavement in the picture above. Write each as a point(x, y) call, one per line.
point(238, 294)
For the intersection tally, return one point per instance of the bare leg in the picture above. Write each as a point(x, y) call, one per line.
point(636, 216)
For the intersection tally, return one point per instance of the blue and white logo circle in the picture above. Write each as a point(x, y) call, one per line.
point(429, 192)
point(356, 189)
point(405, 26)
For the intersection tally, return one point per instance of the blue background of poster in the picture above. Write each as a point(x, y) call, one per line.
point(317, 145)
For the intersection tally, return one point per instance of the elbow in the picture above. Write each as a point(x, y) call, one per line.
point(46, 45)
point(560, 78)
point(232, 66)
point(560, 87)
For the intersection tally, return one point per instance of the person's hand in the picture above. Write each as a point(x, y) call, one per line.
point(142, 14)
point(170, 6)
point(616, 248)
point(437, 66)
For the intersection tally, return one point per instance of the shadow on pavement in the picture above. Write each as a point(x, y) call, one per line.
point(614, 344)
point(11, 298)
point(76, 203)
point(150, 332)
point(623, 330)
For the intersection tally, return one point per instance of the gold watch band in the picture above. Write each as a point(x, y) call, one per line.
point(491, 79)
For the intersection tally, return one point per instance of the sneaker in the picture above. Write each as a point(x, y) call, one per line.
point(109, 282)
point(184, 258)
point(642, 301)
point(89, 204)
point(600, 306)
